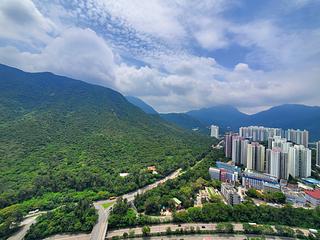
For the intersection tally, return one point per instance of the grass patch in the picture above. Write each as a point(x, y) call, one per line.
point(107, 204)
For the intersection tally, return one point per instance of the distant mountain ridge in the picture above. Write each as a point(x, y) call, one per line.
point(229, 118)
point(285, 116)
point(141, 104)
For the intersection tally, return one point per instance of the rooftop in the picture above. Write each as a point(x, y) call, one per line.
point(313, 193)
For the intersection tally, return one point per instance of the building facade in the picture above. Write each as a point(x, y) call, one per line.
point(299, 161)
point(214, 131)
point(318, 153)
point(230, 194)
point(228, 144)
point(255, 157)
point(298, 136)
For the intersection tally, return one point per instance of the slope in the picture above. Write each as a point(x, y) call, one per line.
point(185, 121)
point(58, 134)
point(141, 104)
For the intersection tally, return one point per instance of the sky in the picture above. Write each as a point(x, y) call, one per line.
point(176, 55)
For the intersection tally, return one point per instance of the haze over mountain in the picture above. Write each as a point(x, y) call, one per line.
point(285, 116)
point(59, 134)
point(141, 104)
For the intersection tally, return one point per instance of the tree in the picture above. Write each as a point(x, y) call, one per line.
point(146, 230)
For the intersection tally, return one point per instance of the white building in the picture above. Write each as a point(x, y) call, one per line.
point(230, 194)
point(277, 163)
point(259, 133)
point(256, 157)
point(299, 161)
point(298, 136)
point(318, 154)
point(214, 173)
point(214, 131)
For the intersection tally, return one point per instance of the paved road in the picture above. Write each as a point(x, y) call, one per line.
point(163, 227)
point(69, 237)
point(212, 237)
point(25, 225)
point(100, 229)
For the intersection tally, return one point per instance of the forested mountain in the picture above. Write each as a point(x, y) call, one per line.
point(185, 121)
point(283, 116)
point(59, 134)
point(141, 104)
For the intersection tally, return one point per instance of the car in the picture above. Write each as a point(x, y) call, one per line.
point(203, 226)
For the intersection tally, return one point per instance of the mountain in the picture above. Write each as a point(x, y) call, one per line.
point(284, 116)
point(141, 104)
point(185, 121)
point(59, 134)
point(290, 116)
point(227, 117)
point(180, 119)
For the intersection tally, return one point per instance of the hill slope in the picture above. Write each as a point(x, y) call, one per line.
point(141, 104)
point(58, 134)
point(185, 121)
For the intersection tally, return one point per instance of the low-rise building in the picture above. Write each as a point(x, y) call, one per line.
point(313, 196)
point(271, 187)
point(252, 179)
point(214, 173)
point(229, 167)
point(177, 203)
point(294, 197)
point(230, 194)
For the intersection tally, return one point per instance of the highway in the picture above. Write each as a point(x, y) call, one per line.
point(186, 226)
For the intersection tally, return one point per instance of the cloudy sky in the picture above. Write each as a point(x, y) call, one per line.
point(176, 55)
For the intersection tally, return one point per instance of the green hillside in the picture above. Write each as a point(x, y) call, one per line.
point(59, 134)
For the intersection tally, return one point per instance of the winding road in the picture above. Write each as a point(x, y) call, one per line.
point(100, 229)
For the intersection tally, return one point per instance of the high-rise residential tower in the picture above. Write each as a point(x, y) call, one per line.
point(228, 144)
point(256, 157)
point(318, 154)
point(298, 136)
point(214, 131)
point(236, 150)
point(299, 161)
point(277, 163)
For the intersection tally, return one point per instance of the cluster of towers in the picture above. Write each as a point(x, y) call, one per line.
point(279, 156)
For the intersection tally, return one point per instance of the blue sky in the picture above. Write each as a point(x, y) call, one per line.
point(175, 55)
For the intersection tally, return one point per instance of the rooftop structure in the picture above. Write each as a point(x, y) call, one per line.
point(228, 167)
point(230, 194)
point(313, 196)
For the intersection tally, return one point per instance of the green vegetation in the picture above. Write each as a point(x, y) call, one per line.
point(58, 135)
point(10, 216)
point(76, 217)
point(145, 230)
point(258, 229)
point(285, 231)
point(247, 212)
point(107, 204)
point(224, 228)
point(274, 197)
point(185, 187)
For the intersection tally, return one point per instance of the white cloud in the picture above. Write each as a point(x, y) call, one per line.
point(77, 53)
point(21, 21)
point(89, 40)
